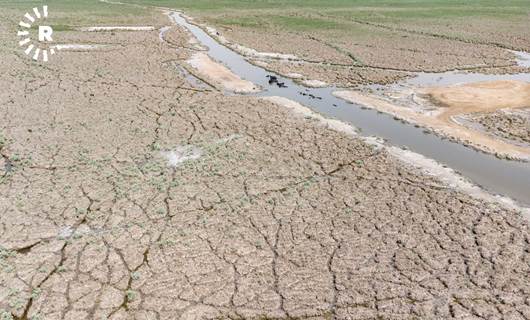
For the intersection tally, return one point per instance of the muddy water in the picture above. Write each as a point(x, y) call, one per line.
point(509, 178)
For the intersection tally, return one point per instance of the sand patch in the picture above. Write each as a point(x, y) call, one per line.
point(117, 28)
point(294, 75)
point(220, 75)
point(314, 83)
point(79, 47)
point(440, 124)
point(479, 97)
point(246, 51)
point(249, 52)
point(305, 112)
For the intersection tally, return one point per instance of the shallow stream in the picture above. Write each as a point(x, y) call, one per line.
point(509, 178)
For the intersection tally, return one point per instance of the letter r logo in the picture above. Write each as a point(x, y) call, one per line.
point(45, 33)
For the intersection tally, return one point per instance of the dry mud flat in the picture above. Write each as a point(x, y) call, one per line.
point(367, 52)
point(127, 194)
point(448, 111)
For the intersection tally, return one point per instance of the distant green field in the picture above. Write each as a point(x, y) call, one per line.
point(65, 14)
point(327, 14)
point(297, 15)
point(336, 4)
point(387, 8)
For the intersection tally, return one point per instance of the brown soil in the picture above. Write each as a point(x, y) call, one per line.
point(479, 97)
point(364, 53)
point(442, 123)
point(127, 194)
point(512, 125)
point(348, 76)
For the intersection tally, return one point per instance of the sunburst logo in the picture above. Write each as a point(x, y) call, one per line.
point(44, 35)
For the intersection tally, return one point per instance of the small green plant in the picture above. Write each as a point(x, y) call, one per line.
point(5, 315)
point(155, 146)
point(36, 316)
point(35, 293)
point(131, 295)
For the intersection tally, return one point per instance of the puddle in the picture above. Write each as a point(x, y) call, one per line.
point(509, 178)
point(523, 58)
point(430, 79)
point(162, 33)
point(455, 77)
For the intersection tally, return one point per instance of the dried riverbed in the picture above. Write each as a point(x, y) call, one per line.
point(496, 175)
point(129, 193)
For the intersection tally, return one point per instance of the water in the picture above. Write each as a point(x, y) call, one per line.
point(455, 77)
point(524, 58)
point(509, 178)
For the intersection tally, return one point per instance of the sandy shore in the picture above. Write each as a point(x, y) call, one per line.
point(441, 123)
point(220, 75)
point(475, 97)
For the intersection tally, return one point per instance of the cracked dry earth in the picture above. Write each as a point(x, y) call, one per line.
point(370, 52)
point(508, 124)
point(257, 214)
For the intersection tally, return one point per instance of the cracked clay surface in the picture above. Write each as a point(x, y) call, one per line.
point(275, 217)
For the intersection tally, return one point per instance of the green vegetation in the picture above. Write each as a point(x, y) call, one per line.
point(289, 14)
point(347, 9)
point(443, 17)
point(67, 14)
point(469, 6)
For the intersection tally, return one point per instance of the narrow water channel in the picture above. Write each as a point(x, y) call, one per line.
point(508, 178)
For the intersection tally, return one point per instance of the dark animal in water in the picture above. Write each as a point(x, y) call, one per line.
point(272, 79)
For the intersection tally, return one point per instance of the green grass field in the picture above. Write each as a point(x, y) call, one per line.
point(452, 18)
point(384, 9)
